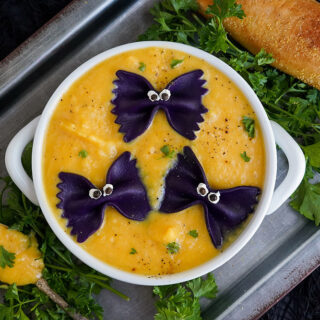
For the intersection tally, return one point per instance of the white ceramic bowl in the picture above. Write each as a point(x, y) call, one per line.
point(270, 199)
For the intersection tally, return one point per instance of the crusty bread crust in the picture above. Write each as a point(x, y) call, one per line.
point(288, 29)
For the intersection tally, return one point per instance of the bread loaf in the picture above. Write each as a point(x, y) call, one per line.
point(288, 29)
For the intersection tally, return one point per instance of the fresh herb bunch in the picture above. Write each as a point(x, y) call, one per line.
point(72, 280)
point(181, 301)
point(288, 101)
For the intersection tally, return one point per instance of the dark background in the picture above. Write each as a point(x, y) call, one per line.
point(20, 18)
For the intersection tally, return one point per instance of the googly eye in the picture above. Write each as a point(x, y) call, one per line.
point(165, 95)
point(95, 194)
point(214, 197)
point(153, 96)
point(202, 189)
point(107, 189)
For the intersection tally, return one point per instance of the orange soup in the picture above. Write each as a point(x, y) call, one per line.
point(83, 138)
point(28, 264)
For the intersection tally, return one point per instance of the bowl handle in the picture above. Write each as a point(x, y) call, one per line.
point(13, 160)
point(290, 148)
point(297, 167)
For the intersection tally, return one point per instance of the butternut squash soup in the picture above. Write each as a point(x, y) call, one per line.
point(83, 138)
point(28, 264)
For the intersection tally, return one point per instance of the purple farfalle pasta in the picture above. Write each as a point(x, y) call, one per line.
point(83, 204)
point(136, 103)
point(186, 185)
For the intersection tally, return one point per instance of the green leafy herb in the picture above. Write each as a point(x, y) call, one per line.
point(133, 251)
point(288, 101)
point(180, 23)
point(173, 247)
point(167, 151)
point(6, 258)
point(83, 154)
point(181, 301)
point(25, 158)
point(306, 200)
point(142, 66)
point(244, 156)
point(263, 58)
point(312, 151)
point(175, 62)
point(248, 124)
point(222, 9)
point(193, 233)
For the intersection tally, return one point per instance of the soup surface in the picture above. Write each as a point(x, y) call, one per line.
point(83, 138)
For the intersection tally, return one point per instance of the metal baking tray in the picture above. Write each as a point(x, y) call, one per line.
point(285, 249)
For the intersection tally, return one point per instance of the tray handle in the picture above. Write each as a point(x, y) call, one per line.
point(297, 167)
point(13, 160)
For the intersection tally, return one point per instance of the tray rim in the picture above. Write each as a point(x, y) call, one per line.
point(285, 271)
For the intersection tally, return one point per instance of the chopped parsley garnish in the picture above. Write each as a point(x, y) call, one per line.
point(244, 156)
point(173, 247)
point(133, 251)
point(175, 62)
point(248, 124)
point(193, 233)
point(142, 66)
point(6, 258)
point(167, 152)
point(83, 154)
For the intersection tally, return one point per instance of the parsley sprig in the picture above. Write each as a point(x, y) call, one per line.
point(288, 101)
point(181, 301)
point(6, 258)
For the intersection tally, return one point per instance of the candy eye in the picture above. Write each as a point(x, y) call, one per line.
point(165, 95)
point(153, 96)
point(214, 197)
point(107, 189)
point(202, 189)
point(95, 194)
